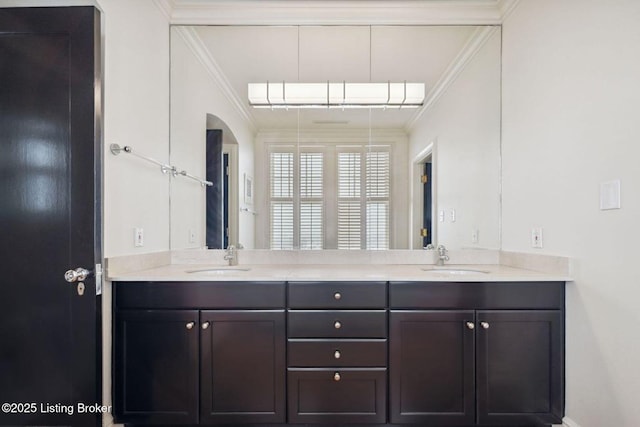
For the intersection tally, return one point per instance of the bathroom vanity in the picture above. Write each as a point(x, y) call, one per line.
point(444, 350)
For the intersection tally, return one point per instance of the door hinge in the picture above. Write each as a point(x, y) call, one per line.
point(423, 232)
point(424, 179)
point(98, 275)
point(227, 170)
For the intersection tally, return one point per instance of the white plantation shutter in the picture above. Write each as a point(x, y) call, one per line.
point(281, 225)
point(378, 174)
point(349, 225)
point(378, 189)
point(281, 181)
point(281, 175)
point(311, 200)
point(357, 194)
point(349, 203)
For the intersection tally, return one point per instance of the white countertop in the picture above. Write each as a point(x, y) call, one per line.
point(331, 272)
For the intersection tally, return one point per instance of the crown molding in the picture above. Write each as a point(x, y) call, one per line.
point(330, 135)
point(331, 12)
point(166, 7)
point(197, 46)
point(477, 40)
point(507, 7)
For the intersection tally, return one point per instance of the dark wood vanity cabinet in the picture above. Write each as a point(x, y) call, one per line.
point(337, 352)
point(421, 353)
point(209, 356)
point(476, 353)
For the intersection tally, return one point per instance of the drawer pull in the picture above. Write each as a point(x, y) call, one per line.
point(337, 296)
point(484, 325)
point(337, 324)
point(470, 325)
point(205, 325)
point(336, 376)
point(190, 325)
point(336, 354)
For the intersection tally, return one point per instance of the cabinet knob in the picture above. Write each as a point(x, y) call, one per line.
point(484, 325)
point(337, 296)
point(470, 325)
point(205, 325)
point(336, 376)
point(337, 324)
point(336, 354)
point(190, 325)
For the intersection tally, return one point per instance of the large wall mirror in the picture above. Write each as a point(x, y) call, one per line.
point(339, 178)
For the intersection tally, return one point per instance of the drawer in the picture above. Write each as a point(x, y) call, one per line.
point(337, 295)
point(331, 396)
point(199, 295)
point(326, 353)
point(469, 295)
point(337, 324)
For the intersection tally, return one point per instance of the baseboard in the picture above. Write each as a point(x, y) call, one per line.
point(568, 422)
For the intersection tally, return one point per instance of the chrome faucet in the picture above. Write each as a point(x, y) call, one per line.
point(442, 255)
point(231, 255)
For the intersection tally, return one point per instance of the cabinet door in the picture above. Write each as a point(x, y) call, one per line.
point(243, 367)
point(156, 367)
point(340, 396)
point(431, 367)
point(520, 367)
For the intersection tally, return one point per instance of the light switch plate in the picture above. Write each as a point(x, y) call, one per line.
point(610, 195)
point(138, 237)
point(536, 237)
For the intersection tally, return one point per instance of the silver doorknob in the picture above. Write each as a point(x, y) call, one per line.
point(336, 376)
point(205, 325)
point(470, 325)
point(337, 324)
point(190, 325)
point(484, 325)
point(337, 354)
point(337, 296)
point(79, 274)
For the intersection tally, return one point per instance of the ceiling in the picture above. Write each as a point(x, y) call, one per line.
point(243, 41)
point(244, 54)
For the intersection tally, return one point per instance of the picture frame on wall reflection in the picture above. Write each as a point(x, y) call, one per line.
point(248, 189)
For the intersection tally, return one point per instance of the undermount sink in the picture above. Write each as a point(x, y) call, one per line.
point(453, 271)
point(219, 270)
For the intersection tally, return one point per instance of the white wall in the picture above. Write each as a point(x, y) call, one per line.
point(571, 91)
point(136, 100)
point(465, 126)
point(194, 94)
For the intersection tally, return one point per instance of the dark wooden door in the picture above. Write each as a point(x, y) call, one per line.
point(156, 360)
point(49, 211)
point(243, 367)
point(215, 193)
point(427, 205)
point(431, 361)
point(519, 367)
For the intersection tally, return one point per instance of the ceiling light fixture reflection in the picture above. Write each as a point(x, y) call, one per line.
point(336, 95)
